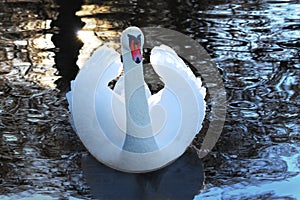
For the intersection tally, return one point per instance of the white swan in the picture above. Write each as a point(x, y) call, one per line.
point(127, 128)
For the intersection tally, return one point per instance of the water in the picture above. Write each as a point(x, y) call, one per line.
point(255, 44)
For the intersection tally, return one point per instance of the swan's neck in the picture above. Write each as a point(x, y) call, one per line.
point(138, 121)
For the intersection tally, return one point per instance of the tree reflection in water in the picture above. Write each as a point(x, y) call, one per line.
point(66, 41)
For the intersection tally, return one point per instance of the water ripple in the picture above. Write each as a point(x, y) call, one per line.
point(255, 44)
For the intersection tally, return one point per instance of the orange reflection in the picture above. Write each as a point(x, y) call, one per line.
point(28, 51)
point(42, 59)
point(36, 24)
point(96, 32)
point(42, 42)
point(87, 10)
point(90, 43)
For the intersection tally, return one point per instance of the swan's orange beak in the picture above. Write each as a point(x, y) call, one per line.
point(135, 48)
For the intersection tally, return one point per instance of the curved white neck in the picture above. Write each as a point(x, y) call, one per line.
point(138, 121)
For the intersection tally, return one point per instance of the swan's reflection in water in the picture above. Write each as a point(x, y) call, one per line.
point(182, 179)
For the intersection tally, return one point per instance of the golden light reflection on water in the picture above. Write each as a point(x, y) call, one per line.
point(42, 60)
point(42, 70)
point(36, 24)
point(30, 53)
point(42, 42)
point(87, 10)
point(90, 43)
point(27, 53)
point(96, 32)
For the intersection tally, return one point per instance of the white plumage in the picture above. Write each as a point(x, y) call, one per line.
point(101, 116)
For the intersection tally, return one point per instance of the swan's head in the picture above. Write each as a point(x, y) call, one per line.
point(132, 41)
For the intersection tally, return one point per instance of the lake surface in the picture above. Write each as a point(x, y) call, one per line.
point(255, 45)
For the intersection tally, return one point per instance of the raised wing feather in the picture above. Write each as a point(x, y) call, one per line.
point(179, 107)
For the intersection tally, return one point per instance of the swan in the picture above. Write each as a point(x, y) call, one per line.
point(127, 128)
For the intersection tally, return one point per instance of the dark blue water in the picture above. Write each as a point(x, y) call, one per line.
point(255, 45)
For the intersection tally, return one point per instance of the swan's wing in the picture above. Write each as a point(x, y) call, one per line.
point(105, 61)
point(178, 110)
point(69, 96)
point(98, 112)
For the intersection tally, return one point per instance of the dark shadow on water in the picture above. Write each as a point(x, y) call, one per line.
point(182, 179)
point(66, 41)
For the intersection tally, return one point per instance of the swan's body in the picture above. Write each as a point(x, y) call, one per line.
point(128, 128)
